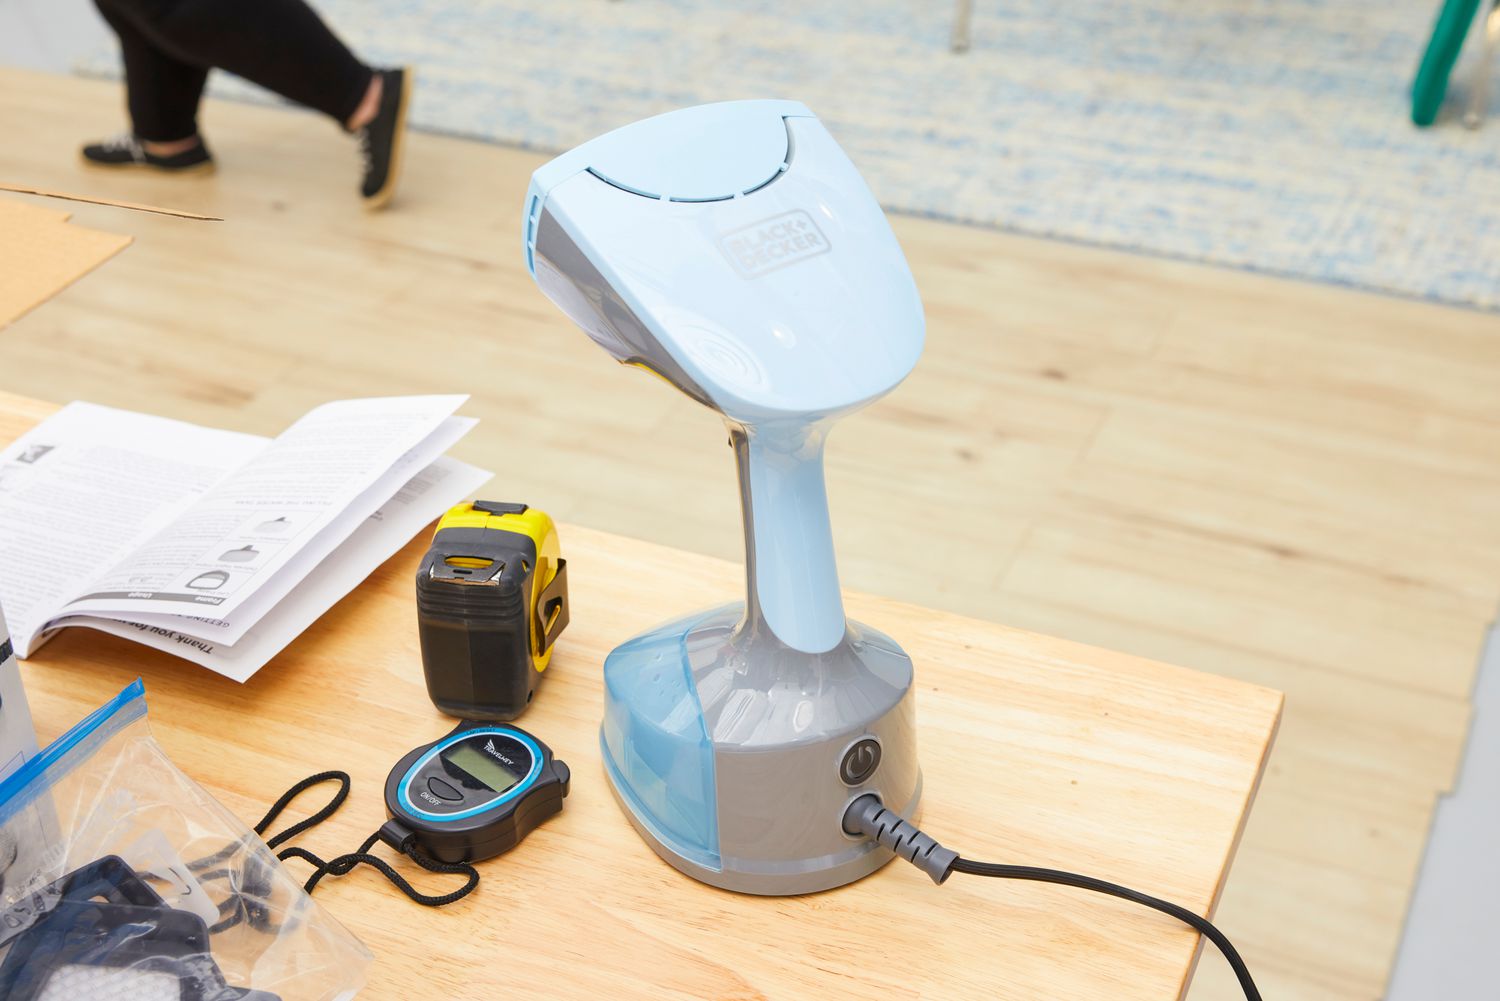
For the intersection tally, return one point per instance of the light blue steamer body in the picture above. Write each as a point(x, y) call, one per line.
point(734, 250)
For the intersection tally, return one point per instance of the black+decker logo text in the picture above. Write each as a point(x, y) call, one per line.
point(773, 243)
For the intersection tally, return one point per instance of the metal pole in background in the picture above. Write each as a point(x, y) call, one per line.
point(1479, 85)
point(962, 16)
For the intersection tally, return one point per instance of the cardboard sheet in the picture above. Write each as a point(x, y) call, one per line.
point(41, 253)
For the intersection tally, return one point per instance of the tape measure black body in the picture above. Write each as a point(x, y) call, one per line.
point(492, 598)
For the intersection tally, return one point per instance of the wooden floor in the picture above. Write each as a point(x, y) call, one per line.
point(1288, 483)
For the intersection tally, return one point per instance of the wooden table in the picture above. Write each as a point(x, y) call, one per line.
point(1034, 750)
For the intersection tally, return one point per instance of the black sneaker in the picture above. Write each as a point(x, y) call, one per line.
point(380, 141)
point(126, 151)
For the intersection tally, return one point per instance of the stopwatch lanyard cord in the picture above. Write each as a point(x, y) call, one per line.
point(342, 864)
point(279, 807)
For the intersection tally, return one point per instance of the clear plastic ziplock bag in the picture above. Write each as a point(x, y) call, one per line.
point(122, 879)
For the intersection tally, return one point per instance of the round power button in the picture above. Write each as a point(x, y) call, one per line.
point(860, 761)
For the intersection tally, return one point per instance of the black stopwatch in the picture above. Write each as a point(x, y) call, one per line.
point(475, 793)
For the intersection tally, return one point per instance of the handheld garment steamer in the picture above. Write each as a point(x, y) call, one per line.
point(733, 250)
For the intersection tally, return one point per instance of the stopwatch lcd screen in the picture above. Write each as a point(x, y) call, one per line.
point(483, 767)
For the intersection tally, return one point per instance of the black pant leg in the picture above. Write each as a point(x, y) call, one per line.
point(161, 91)
point(281, 45)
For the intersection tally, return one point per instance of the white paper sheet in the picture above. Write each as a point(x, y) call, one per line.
point(424, 498)
point(232, 540)
point(231, 629)
point(126, 523)
point(87, 486)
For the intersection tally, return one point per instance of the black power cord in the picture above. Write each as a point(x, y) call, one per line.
point(867, 816)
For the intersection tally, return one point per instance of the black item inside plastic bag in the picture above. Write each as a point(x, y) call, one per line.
point(102, 931)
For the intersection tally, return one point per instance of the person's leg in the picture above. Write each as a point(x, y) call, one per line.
point(285, 47)
point(281, 45)
point(162, 92)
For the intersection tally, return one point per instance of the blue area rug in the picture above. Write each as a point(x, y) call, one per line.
point(1257, 134)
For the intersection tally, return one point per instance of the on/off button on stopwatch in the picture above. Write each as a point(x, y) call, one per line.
point(860, 761)
point(443, 790)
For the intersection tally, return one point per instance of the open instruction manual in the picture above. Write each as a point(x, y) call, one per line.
point(217, 546)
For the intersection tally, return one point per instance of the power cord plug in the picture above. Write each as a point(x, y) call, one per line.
point(868, 816)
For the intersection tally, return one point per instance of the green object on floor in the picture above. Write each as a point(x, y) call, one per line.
point(1437, 62)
